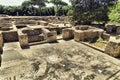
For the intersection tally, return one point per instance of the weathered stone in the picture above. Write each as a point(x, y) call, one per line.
point(23, 39)
point(83, 27)
point(34, 38)
point(113, 47)
point(90, 35)
point(32, 32)
point(105, 36)
point(111, 28)
point(67, 33)
point(50, 36)
point(43, 23)
point(1, 40)
point(78, 35)
point(25, 22)
point(118, 30)
point(10, 36)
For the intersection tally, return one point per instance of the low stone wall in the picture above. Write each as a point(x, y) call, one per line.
point(105, 36)
point(34, 35)
point(86, 35)
point(43, 23)
point(1, 41)
point(113, 47)
point(50, 36)
point(25, 22)
point(78, 35)
point(118, 30)
point(68, 34)
point(32, 31)
point(23, 39)
point(111, 28)
point(35, 38)
point(11, 36)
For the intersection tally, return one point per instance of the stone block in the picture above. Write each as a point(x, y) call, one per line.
point(50, 36)
point(10, 36)
point(91, 35)
point(118, 30)
point(105, 36)
point(34, 38)
point(32, 32)
point(113, 47)
point(84, 27)
point(111, 28)
point(1, 40)
point(23, 39)
point(67, 34)
point(78, 35)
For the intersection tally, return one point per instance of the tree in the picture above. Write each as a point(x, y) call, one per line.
point(114, 14)
point(58, 5)
point(39, 3)
point(88, 11)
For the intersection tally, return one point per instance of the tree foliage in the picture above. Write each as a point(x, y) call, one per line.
point(88, 11)
point(114, 14)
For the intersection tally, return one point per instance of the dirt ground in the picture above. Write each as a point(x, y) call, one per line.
point(64, 60)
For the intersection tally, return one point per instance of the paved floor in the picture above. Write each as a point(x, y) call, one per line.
point(65, 60)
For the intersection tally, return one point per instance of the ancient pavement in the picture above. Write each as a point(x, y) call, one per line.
point(65, 60)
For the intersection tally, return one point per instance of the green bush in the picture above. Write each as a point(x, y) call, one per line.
point(114, 14)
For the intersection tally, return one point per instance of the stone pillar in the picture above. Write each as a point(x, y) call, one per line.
point(1, 41)
point(67, 34)
point(78, 35)
point(23, 39)
point(113, 47)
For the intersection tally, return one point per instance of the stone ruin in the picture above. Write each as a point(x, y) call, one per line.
point(82, 33)
point(113, 47)
point(32, 30)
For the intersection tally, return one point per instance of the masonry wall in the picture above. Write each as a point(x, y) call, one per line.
point(10, 36)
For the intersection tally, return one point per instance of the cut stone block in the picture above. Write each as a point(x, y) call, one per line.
point(31, 32)
point(10, 36)
point(78, 35)
point(67, 34)
point(118, 30)
point(35, 38)
point(83, 27)
point(23, 39)
point(105, 36)
point(91, 35)
point(1, 41)
point(113, 47)
point(111, 28)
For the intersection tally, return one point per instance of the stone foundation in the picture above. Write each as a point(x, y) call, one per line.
point(1, 41)
point(105, 36)
point(113, 47)
point(23, 39)
point(50, 36)
point(78, 35)
point(35, 38)
point(67, 34)
point(118, 30)
point(11, 36)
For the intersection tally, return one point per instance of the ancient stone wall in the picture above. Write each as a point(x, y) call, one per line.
point(67, 34)
point(113, 47)
point(23, 39)
point(10, 36)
